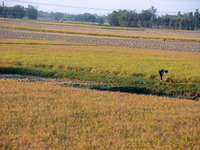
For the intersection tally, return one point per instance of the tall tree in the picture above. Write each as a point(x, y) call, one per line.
point(4, 11)
point(17, 12)
point(147, 17)
point(127, 18)
point(113, 18)
point(197, 19)
point(191, 21)
point(31, 12)
point(92, 18)
point(172, 23)
point(100, 21)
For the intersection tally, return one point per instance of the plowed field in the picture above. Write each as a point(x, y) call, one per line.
point(118, 42)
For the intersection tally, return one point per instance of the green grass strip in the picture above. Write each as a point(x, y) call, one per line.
point(117, 82)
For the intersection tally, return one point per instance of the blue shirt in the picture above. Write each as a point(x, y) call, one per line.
point(162, 70)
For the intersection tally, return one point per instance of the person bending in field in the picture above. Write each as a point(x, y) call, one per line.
point(161, 71)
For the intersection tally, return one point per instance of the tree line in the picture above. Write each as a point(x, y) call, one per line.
point(86, 17)
point(149, 19)
point(18, 12)
point(124, 18)
point(32, 13)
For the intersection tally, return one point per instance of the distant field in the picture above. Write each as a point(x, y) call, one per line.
point(86, 26)
point(35, 116)
point(106, 41)
point(97, 33)
point(182, 66)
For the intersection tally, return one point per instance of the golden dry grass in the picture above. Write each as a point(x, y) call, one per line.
point(36, 116)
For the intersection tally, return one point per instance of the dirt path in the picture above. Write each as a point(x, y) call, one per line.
point(118, 42)
point(51, 81)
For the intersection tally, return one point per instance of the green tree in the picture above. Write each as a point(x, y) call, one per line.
point(172, 23)
point(187, 21)
point(31, 12)
point(87, 17)
point(191, 21)
point(144, 18)
point(153, 22)
point(113, 19)
point(147, 18)
point(197, 19)
point(57, 15)
point(179, 20)
point(17, 12)
point(92, 18)
point(100, 21)
point(165, 21)
point(127, 18)
point(182, 24)
point(4, 11)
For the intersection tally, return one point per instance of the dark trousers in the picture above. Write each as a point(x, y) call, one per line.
point(161, 74)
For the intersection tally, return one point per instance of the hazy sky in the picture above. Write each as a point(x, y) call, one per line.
point(107, 6)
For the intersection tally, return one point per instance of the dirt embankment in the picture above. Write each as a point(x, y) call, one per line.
point(118, 42)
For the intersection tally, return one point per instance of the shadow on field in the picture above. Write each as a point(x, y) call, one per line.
point(127, 89)
point(146, 91)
